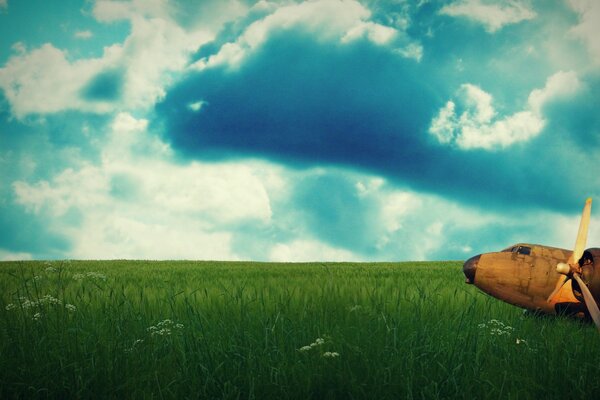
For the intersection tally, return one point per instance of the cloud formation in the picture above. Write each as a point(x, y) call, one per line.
point(115, 199)
point(479, 127)
point(44, 80)
point(327, 20)
point(493, 15)
point(146, 205)
point(282, 105)
point(587, 29)
point(295, 131)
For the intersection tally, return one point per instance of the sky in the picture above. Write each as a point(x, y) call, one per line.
point(325, 130)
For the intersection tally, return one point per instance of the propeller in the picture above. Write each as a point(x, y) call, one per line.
point(571, 268)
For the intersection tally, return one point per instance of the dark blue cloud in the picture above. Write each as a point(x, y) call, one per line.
point(299, 101)
point(106, 86)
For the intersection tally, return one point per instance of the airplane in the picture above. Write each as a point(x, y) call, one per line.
point(543, 279)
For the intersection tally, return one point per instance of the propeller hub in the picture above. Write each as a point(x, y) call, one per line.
point(563, 268)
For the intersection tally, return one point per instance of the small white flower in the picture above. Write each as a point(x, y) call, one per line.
point(134, 345)
point(50, 270)
point(26, 303)
point(163, 328)
point(37, 278)
point(78, 277)
point(37, 316)
point(331, 354)
point(10, 306)
point(47, 299)
point(304, 348)
point(70, 307)
point(96, 275)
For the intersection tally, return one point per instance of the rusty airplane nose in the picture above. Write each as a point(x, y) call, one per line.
point(470, 267)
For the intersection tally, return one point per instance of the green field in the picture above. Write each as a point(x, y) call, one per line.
point(140, 329)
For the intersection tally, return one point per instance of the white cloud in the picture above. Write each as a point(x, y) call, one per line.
point(19, 48)
point(493, 15)
point(479, 127)
point(197, 105)
point(559, 86)
point(84, 34)
point(44, 80)
point(303, 250)
point(329, 20)
point(13, 256)
point(111, 10)
point(588, 28)
point(148, 206)
point(376, 33)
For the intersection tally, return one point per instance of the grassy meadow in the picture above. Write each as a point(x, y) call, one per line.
point(178, 329)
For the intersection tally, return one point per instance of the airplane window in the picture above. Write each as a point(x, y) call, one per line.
point(524, 250)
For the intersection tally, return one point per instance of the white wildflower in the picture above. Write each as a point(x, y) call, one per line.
point(331, 354)
point(26, 303)
point(159, 332)
point(96, 276)
point(37, 278)
point(497, 328)
point(10, 306)
point(50, 270)
point(164, 328)
point(134, 345)
point(47, 299)
point(317, 342)
point(70, 307)
point(37, 316)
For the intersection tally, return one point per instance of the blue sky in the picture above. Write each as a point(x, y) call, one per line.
point(296, 131)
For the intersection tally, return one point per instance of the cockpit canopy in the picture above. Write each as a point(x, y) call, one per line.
point(519, 249)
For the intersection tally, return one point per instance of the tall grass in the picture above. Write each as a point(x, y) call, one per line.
point(138, 329)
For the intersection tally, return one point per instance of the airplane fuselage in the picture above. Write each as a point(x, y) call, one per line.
point(525, 275)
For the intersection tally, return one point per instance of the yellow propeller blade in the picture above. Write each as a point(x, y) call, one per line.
point(559, 284)
point(590, 303)
point(583, 232)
